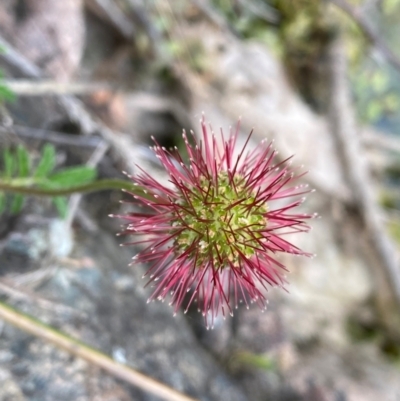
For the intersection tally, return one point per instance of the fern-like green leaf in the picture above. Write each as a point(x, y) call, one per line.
point(2, 202)
point(47, 161)
point(6, 94)
point(61, 204)
point(17, 168)
point(72, 176)
point(17, 203)
point(9, 163)
point(24, 161)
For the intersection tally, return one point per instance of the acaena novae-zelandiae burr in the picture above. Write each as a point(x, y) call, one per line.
point(214, 235)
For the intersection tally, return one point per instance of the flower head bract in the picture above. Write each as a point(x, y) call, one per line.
point(213, 235)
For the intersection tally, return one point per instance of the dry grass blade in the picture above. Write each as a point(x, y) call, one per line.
point(26, 295)
point(91, 355)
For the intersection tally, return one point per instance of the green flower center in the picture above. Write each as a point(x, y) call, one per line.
point(224, 221)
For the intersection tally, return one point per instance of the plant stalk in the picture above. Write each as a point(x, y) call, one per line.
point(100, 185)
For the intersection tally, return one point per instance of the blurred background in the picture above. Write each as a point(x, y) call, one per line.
point(95, 79)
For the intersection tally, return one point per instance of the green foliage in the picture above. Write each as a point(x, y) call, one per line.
point(390, 6)
point(47, 161)
point(393, 172)
point(388, 200)
point(8, 161)
point(253, 19)
point(23, 161)
point(70, 176)
point(19, 171)
point(250, 360)
point(227, 8)
point(375, 84)
point(376, 96)
point(2, 202)
point(175, 47)
point(361, 331)
point(61, 204)
point(394, 230)
point(6, 94)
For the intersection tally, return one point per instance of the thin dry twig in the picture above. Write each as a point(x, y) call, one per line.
point(25, 295)
point(345, 132)
point(55, 137)
point(89, 354)
point(18, 61)
point(31, 279)
point(48, 87)
point(372, 138)
point(369, 31)
point(74, 201)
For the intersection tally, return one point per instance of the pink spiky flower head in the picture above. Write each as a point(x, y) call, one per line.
point(216, 232)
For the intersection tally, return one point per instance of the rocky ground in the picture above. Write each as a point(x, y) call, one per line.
point(318, 342)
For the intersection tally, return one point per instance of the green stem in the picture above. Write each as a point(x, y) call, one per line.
point(100, 185)
point(91, 355)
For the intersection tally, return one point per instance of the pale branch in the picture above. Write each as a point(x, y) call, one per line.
point(89, 354)
point(345, 132)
